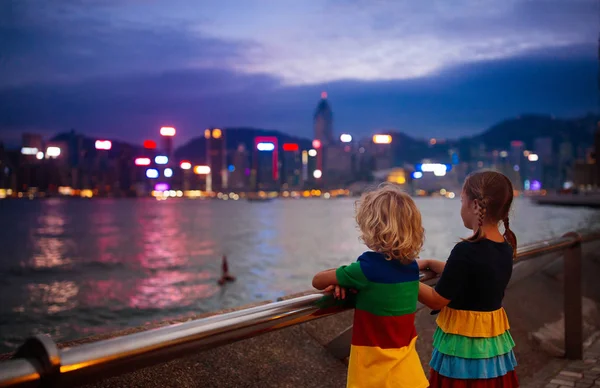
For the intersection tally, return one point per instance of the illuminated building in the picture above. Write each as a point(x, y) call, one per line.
point(323, 122)
point(216, 159)
point(266, 163)
point(291, 166)
point(239, 171)
point(167, 134)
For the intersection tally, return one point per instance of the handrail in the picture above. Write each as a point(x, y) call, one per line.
point(40, 363)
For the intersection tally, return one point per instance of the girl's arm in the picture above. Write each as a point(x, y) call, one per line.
point(430, 298)
point(436, 266)
point(324, 279)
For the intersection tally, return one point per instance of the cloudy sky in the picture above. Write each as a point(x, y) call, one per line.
point(123, 68)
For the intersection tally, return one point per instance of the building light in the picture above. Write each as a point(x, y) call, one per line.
point(323, 95)
point(152, 173)
point(265, 146)
point(53, 152)
point(185, 165)
point(345, 138)
point(168, 172)
point(207, 133)
point(304, 157)
point(161, 159)
point(533, 157)
point(417, 175)
point(149, 144)
point(29, 151)
point(312, 152)
point(316, 143)
point(167, 131)
point(39, 155)
point(290, 147)
point(161, 187)
point(382, 139)
point(317, 174)
point(142, 161)
point(503, 154)
point(103, 145)
point(202, 170)
point(216, 133)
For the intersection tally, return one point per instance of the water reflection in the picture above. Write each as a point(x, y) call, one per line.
point(74, 268)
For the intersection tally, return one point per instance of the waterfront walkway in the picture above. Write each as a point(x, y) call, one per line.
point(574, 374)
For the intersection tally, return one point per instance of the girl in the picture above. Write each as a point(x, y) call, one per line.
point(387, 281)
point(472, 346)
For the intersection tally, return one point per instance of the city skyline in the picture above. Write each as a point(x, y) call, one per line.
point(443, 72)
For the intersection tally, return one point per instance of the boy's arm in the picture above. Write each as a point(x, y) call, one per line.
point(324, 279)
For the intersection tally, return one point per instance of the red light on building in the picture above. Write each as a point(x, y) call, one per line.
point(290, 147)
point(103, 145)
point(149, 144)
point(316, 144)
point(142, 161)
point(516, 143)
point(323, 95)
point(167, 131)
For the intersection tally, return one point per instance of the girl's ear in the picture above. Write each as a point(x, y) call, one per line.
point(474, 205)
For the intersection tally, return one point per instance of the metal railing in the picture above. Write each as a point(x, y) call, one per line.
point(39, 362)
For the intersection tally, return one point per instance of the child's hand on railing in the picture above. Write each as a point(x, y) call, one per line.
point(339, 292)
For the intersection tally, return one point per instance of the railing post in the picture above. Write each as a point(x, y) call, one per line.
point(572, 299)
point(44, 354)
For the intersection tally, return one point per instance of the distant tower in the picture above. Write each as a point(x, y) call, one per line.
point(323, 121)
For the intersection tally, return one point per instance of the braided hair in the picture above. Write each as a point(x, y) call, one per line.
point(493, 193)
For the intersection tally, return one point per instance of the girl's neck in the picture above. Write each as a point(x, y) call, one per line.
point(491, 232)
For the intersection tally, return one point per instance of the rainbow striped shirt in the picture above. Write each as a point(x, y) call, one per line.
point(383, 350)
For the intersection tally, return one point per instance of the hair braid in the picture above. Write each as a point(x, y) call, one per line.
point(510, 236)
point(482, 205)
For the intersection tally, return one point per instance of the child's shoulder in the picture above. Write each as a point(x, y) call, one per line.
point(378, 269)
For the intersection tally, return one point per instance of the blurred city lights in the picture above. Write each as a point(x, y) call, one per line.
point(202, 170)
point(207, 133)
point(438, 169)
point(161, 187)
point(149, 144)
point(382, 139)
point(167, 131)
point(536, 185)
point(216, 133)
point(142, 161)
point(317, 174)
point(185, 165)
point(39, 155)
point(323, 95)
point(29, 151)
point(312, 152)
point(103, 145)
point(503, 154)
point(345, 138)
point(265, 146)
point(152, 173)
point(168, 172)
point(52, 152)
point(316, 143)
point(417, 175)
point(533, 157)
point(161, 159)
point(290, 147)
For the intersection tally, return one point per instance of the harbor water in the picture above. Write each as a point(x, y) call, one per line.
point(73, 268)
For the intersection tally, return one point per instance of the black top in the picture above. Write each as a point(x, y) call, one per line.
point(476, 275)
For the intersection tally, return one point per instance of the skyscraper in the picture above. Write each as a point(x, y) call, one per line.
point(323, 122)
point(215, 153)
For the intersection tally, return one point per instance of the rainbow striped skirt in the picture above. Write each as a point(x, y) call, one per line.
point(473, 349)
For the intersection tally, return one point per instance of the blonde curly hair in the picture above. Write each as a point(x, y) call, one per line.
point(390, 223)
